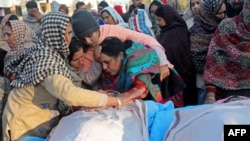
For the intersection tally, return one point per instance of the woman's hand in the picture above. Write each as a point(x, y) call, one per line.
point(10, 76)
point(129, 98)
point(210, 98)
point(117, 101)
point(124, 99)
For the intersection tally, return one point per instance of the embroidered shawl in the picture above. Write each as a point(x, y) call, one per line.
point(140, 63)
point(228, 59)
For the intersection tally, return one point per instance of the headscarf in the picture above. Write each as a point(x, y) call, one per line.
point(24, 36)
point(154, 2)
point(47, 56)
point(115, 15)
point(138, 62)
point(3, 44)
point(228, 58)
point(170, 15)
point(202, 31)
point(5, 19)
point(155, 27)
point(207, 13)
point(177, 52)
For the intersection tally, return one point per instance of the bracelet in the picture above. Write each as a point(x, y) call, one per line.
point(211, 89)
point(210, 97)
point(119, 102)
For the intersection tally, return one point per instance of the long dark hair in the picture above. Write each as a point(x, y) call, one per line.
point(112, 46)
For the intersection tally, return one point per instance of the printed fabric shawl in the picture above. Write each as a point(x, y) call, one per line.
point(228, 59)
point(138, 63)
point(47, 56)
point(202, 31)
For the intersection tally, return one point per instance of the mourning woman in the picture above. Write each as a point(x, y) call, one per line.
point(43, 78)
point(129, 66)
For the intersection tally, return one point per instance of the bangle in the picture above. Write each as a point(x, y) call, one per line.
point(119, 102)
point(211, 89)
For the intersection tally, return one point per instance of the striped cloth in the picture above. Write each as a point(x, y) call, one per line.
point(140, 22)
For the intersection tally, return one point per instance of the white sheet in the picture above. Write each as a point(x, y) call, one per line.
point(126, 124)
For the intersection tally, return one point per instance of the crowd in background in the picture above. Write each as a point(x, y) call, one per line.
point(54, 64)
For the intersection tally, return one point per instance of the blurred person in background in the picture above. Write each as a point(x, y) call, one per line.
point(63, 8)
point(234, 7)
point(102, 5)
point(191, 11)
point(34, 16)
point(80, 5)
point(111, 16)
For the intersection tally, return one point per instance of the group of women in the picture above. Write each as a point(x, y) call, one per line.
point(54, 73)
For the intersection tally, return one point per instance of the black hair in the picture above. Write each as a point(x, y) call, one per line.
point(1, 18)
point(2, 55)
point(79, 4)
point(104, 11)
point(108, 13)
point(154, 2)
point(160, 12)
point(75, 45)
point(31, 4)
point(63, 6)
point(103, 4)
point(13, 17)
point(112, 46)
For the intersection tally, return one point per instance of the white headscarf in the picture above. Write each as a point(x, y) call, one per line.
point(115, 15)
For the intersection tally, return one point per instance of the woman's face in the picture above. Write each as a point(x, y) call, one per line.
point(221, 14)
point(110, 65)
point(108, 19)
point(195, 5)
point(137, 3)
point(77, 60)
point(9, 36)
point(160, 21)
point(92, 39)
point(63, 11)
point(153, 9)
point(236, 3)
point(68, 33)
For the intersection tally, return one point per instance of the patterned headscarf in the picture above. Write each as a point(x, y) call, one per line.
point(208, 10)
point(228, 59)
point(202, 31)
point(115, 15)
point(47, 56)
point(24, 36)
